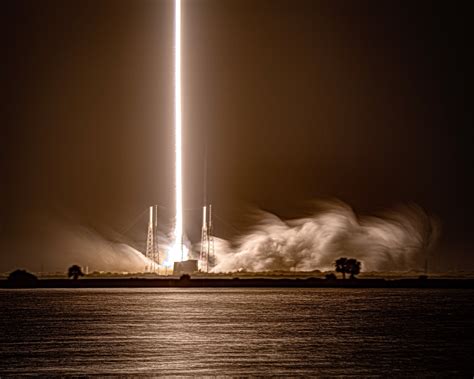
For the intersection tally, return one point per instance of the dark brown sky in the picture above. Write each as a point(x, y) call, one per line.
point(361, 100)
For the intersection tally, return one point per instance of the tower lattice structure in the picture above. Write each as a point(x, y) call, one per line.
point(152, 251)
point(206, 256)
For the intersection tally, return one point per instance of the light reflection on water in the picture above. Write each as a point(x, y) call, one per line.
point(282, 332)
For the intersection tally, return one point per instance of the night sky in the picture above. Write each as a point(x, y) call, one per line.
point(365, 101)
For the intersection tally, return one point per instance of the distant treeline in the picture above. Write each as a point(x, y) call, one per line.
point(22, 280)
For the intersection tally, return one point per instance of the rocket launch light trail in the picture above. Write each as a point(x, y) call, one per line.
point(176, 252)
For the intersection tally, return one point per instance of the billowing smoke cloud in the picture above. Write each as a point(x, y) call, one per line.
point(396, 240)
point(56, 243)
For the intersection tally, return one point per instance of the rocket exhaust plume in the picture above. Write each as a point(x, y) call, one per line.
point(56, 240)
point(397, 240)
point(176, 252)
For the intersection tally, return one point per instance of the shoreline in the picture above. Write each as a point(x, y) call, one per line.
point(241, 283)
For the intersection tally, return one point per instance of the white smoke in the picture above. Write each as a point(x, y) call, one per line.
point(56, 243)
point(397, 240)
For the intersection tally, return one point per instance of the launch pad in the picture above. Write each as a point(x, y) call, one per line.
point(160, 258)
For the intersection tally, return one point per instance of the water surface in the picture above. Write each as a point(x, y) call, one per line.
point(329, 332)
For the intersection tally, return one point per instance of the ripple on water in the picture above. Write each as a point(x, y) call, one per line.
point(363, 332)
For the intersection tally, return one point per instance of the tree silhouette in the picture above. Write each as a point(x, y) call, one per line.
point(353, 267)
point(74, 272)
point(22, 279)
point(348, 266)
point(341, 266)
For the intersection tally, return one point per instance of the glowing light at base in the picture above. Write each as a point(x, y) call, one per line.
point(177, 252)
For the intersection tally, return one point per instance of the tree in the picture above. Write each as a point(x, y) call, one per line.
point(74, 272)
point(353, 267)
point(348, 266)
point(341, 266)
point(22, 279)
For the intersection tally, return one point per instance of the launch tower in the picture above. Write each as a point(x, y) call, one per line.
point(152, 252)
point(206, 256)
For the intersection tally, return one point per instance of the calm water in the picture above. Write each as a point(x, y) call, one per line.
point(329, 332)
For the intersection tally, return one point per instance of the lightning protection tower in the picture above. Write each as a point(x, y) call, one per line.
point(152, 252)
point(156, 251)
point(206, 256)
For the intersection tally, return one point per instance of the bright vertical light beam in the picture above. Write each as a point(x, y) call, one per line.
point(178, 229)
